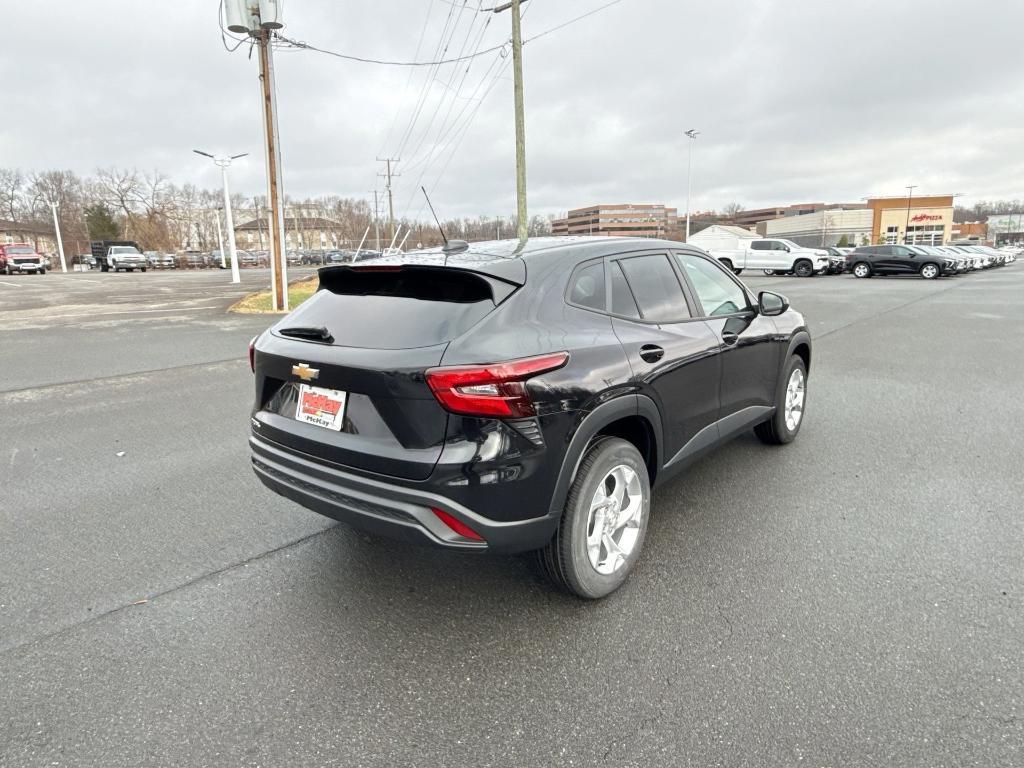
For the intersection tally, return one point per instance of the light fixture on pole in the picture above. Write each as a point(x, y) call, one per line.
point(60, 242)
point(223, 163)
point(692, 136)
point(906, 228)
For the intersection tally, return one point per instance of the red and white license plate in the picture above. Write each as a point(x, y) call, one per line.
point(322, 407)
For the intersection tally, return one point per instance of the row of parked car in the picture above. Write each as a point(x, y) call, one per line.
point(928, 261)
point(216, 260)
point(778, 256)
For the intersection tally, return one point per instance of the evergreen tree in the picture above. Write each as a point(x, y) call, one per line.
point(101, 223)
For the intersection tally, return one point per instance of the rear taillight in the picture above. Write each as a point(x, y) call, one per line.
point(496, 389)
point(252, 354)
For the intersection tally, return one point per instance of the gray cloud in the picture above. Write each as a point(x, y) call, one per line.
point(796, 100)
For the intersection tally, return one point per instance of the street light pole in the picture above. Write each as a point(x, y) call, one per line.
point(220, 241)
point(224, 163)
point(906, 227)
point(60, 242)
point(692, 135)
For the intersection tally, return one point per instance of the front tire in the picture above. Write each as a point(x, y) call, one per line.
point(790, 399)
point(803, 268)
point(861, 269)
point(604, 523)
point(930, 271)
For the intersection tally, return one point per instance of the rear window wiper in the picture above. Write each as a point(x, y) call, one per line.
point(308, 332)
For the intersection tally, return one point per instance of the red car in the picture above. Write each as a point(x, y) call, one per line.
point(20, 257)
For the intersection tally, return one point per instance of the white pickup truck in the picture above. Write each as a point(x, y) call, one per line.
point(773, 255)
point(115, 255)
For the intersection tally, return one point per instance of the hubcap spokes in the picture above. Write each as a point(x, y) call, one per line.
point(796, 391)
point(613, 524)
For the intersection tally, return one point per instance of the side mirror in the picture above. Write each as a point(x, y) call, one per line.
point(771, 304)
point(785, 248)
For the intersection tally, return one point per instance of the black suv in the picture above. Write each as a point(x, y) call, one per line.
point(509, 398)
point(868, 260)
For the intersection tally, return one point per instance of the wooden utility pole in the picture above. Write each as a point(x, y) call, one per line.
point(391, 202)
point(279, 269)
point(517, 73)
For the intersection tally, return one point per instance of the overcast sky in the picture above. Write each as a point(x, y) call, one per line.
point(796, 100)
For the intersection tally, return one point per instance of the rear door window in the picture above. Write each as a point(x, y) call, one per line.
point(761, 245)
point(655, 287)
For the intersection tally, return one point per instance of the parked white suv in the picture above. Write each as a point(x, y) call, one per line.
point(774, 255)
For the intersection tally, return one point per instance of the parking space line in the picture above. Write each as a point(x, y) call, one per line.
point(16, 285)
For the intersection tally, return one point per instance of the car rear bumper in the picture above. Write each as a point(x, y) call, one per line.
point(385, 508)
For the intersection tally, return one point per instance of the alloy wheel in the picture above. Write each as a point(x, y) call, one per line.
point(613, 523)
point(796, 391)
point(861, 270)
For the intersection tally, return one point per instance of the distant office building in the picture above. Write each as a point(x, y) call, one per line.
point(1006, 229)
point(630, 220)
point(824, 227)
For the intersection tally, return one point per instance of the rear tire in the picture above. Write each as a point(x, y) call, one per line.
point(861, 269)
point(568, 560)
point(768, 272)
point(803, 268)
point(780, 428)
point(727, 263)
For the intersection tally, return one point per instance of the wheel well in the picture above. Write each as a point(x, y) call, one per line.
point(804, 353)
point(638, 431)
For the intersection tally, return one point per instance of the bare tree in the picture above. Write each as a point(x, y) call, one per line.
point(11, 183)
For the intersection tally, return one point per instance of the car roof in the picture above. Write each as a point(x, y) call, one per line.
point(507, 258)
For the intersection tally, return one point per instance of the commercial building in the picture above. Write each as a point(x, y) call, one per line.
point(40, 237)
point(754, 216)
point(625, 219)
point(824, 227)
point(924, 220)
point(300, 232)
point(1006, 229)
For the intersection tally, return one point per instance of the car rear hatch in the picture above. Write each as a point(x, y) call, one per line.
point(368, 335)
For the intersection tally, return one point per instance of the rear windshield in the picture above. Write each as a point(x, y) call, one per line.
point(395, 309)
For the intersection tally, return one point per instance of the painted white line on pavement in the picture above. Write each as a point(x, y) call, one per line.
point(16, 285)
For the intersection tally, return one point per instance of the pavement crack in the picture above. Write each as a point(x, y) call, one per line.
point(38, 640)
point(78, 382)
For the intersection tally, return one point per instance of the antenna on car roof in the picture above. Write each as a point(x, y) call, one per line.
point(436, 220)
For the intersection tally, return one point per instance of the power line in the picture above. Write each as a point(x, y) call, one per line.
point(408, 80)
point(455, 60)
point(364, 60)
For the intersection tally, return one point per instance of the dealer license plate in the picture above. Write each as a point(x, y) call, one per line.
point(322, 407)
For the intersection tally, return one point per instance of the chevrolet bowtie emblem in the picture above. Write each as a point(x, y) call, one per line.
point(304, 372)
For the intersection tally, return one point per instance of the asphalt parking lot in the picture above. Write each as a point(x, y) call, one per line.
point(854, 598)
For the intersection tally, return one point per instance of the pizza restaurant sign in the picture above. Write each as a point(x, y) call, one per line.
point(926, 217)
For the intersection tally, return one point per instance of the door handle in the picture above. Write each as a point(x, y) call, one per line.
point(651, 353)
point(729, 338)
